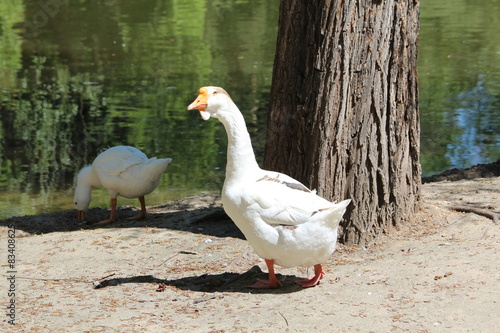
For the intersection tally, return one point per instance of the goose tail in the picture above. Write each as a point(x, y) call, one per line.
point(332, 215)
point(156, 166)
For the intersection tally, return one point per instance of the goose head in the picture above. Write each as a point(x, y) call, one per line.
point(83, 195)
point(82, 202)
point(211, 101)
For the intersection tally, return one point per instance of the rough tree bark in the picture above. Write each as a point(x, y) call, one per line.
point(344, 108)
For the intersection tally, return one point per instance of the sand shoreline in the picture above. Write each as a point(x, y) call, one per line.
point(439, 274)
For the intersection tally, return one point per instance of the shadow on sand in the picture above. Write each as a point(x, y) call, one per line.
point(199, 215)
point(211, 283)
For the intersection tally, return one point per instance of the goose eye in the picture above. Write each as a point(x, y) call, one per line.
point(215, 93)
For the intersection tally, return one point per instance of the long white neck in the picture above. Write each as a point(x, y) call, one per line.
point(240, 155)
point(88, 177)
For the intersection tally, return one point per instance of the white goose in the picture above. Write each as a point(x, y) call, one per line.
point(122, 170)
point(283, 220)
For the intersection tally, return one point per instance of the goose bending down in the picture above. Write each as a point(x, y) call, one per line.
point(122, 170)
point(283, 220)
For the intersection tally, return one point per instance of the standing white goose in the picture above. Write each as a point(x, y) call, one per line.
point(283, 220)
point(122, 170)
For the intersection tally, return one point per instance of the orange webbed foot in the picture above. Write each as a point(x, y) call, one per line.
point(313, 280)
point(143, 213)
point(138, 217)
point(112, 217)
point(272, 283)
point(105, 222)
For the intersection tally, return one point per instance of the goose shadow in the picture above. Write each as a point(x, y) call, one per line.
point(212, 283)
point(199, 215)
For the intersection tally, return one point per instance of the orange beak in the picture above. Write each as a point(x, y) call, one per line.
point(80, 214)
point(200, 103)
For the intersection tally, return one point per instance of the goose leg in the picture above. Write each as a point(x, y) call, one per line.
point(272, 283)
point(143, 210)
point(112, 217)
point(311, 281)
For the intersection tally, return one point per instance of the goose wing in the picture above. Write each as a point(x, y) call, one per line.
point(281, 200)
point(117, 161)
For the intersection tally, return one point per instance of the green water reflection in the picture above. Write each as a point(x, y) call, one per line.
point(80, 76)
point(459, 78)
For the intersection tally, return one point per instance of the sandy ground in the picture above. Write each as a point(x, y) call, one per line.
point(440, 274)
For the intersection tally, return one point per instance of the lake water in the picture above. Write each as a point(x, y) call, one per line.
point(77, 77)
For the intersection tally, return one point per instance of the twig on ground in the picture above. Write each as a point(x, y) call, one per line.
point(286, 321)
point(46, 279)
point(235, 260)
point(98, 283)
point(105, 277)
point(180, 252)
point(207, 298)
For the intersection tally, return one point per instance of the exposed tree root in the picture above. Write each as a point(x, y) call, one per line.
point(479, 211)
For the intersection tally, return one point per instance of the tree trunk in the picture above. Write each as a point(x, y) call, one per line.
point(344, 108)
